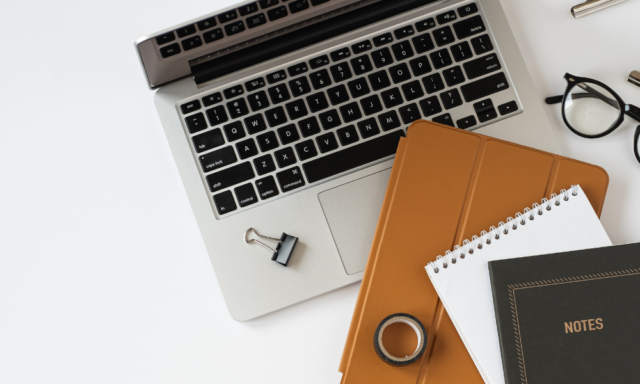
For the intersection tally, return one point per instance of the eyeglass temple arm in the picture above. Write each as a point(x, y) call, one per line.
point(636, 137)
point(632, 111)
point(629, 110)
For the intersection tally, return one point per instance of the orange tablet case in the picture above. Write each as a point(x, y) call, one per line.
point(446, 186)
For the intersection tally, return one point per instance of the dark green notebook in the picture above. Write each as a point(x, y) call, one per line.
point(570, 317)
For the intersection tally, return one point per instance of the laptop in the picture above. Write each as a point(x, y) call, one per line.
point(284, 116)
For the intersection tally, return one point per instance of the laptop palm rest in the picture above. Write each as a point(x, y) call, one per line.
point(352, 211)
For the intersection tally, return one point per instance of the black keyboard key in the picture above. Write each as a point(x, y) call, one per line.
point(441, 58)
point(423, 43)
point(224, 202)
point(288, 134)
point(212, 99)
point(167, 37)
point(371, 105)
point(279, 93)
point(267, 141)
point(484, 87)
point(350, 112)
point(433, 83)
point(329, 119)
point(255, 124)
point(234, 28)
point(430, 106)
point(358, 87)
point(297, 69)
point(290, 179)
point(402, 50)
point(297, 109)
point(389, 120)
point(451, 98)
point(320, 79)
point(285, 157)
point(326, 143)
point(467, 10)
point(443, 36)
point(481, 44)
point(382, 39)
point(264, 4)
point(400, 73)
point(306, 150)
point(412, 90)
point(186, 31)
point(317, 102)
point(347, 135)
point(309, 126)
point(382, 57)
point(361, 65)
point(318, 62)
point(453, 76)
point(467, 122)
point(444, 119)
point(234, 91)
point(420, 66)
point(207, 23)
point(264, 164)
point(368, 128)
point(298, 5)
point(446, 17)
point(318, 2)
point(189, 107)
point(248, 9)
point(391, 97)
point(469, 27)
point(300, 86)
point(362, 46)
point(217, 115)
point(254, 84)
point(276, 116)
point(277, 13)
point(227, 16)
point(482, 105)
point(196, 123)
point(352, 157)
point(507, 108)
point(257, 20)
point(340, 54)
point(237, 108)
point(403, 32)
point(409, 113)
point(341, 72)
point(482, 65)
point(267, 188)
point(461, 51)
point(234, 131)
point(258, 101)
point(379, 80)
point(170, 50)
point(208, 140)
point(426, 24)
point(213, 35)
point(246, 195)
point(488, 114)
point(247, 148)
point(338, 95)
point(230, 176)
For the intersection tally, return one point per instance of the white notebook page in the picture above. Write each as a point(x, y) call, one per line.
point(464, 287)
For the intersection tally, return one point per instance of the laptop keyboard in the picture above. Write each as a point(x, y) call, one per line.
point(314, 119)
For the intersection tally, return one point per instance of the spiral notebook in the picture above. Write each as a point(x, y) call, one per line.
point(565, 222)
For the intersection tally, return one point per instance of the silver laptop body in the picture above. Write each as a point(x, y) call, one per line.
point(269, 162)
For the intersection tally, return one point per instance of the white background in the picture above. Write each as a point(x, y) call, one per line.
point(103, 275)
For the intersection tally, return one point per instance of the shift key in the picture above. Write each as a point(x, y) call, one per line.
point(230, 176)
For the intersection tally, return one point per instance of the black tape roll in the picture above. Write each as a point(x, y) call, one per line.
point(411, 321)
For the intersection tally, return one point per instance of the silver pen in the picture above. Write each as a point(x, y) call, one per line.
point(592, 6)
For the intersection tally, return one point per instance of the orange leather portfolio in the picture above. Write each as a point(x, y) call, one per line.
point(446, 185)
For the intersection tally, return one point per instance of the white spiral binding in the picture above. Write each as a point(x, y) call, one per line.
point(494, 234)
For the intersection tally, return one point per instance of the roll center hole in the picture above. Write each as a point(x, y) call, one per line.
point(400, 339)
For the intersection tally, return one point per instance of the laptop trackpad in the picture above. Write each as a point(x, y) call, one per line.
point(352, 212)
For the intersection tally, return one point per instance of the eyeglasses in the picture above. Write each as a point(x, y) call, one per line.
point(591, 109)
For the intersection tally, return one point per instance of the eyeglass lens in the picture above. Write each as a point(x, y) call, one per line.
point(591, 109)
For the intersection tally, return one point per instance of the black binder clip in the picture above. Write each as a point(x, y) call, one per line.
point(283, 250)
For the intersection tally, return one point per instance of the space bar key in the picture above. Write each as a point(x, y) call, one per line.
point(352, 157)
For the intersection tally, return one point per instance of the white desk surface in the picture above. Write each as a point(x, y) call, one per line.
point(103, 275)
